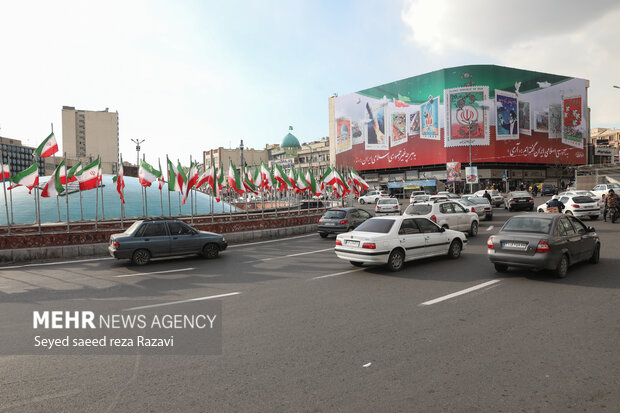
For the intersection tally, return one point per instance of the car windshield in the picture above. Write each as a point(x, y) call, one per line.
point(419, 198)
point(528, 224)
point(467, 202)
point(494, 193)
point(382, 226)
point(388, 201)
point(418, 209)
point(334, 214)
point(582, 199)
point(520, 194)
point(132, 228)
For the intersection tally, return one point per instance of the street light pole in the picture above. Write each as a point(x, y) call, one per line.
point(142, 190)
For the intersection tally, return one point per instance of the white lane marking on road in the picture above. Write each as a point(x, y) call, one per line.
point(55, 263)
point(182, 301)
point(490, 228)
point(154, 272)
point(456, 294)
point(290, 255)
point(335, 274)
point(249, 244)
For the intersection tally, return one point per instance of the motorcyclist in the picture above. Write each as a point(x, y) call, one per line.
point(611, 201)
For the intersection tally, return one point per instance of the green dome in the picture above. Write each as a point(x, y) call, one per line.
point(290, 142)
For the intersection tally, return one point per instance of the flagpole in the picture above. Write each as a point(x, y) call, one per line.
point(6, 203)
point(146, 199)
point(191, 194)
point(66, 188)
point(168, 168)
point(38, 202)
point(97, 199)
point(81, 209)
point(161, 197)
point(57, 200)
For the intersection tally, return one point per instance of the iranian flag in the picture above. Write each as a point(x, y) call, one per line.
point(234, 181)
point(5, 171)
point(281, 177)
point(181, 176)
point(147, 174)
point(248, 182)
point(175, 180)
point(54, 186)
point(312, 185)
point(120, 181)
point(258, 178)
point(302, 185)
point(292, 178)
point(161, 180)
point(192, 178)
point(265, 176)
point(47, 148)
point(71, 175)
point(205, 178)
point(329, 177)
point(28, 177)
point(215, 183)
point(88, 177)
point(358, 180)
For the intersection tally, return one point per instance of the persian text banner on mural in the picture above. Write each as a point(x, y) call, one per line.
point(498, 114)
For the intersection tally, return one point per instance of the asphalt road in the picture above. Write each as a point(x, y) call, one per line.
point(309, 332)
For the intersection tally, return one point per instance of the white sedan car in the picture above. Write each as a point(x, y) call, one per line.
point(446, 214)
point(577, 205)
point(387, 206)
point(395, 240)
point(603, 189)
point(372, 197)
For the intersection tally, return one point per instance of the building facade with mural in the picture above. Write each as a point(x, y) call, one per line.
point(512, 125)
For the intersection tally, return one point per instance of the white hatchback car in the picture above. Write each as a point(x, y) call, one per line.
point(446, 214)
point(387, 206)
point(372, 197)
point(603, 189)
point(577, 205)
point(395, 240)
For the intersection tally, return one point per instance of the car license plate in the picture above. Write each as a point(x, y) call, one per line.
point(330, 223)
point(514, 245)
point(352, 243)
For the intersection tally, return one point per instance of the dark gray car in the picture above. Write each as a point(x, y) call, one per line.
point(543, 241)
point(162, 237)
point(520, 200)
point(339, 220)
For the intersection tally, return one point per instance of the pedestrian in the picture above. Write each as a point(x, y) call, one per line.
point(555, 205)
point(487, 195)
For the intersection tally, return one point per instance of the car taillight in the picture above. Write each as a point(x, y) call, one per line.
point(490, 243)
point(116, 244)
point(542, 247)
point(472, 209)
point(598, 205)
point(369, 245)
point(338, 242)
point(532, 199)
point(344, 221)
point(487, 208)
point(434, 218)
point(395, 206)
point(512, 200)
point(320, 221)
point(575, 206)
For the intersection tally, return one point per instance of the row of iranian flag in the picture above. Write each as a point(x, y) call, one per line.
point(243, 180)
point(88, 176)
point(246, 180)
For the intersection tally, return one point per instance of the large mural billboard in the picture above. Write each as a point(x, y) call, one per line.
point(502, 114)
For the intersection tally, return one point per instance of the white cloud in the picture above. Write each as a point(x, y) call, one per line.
point(572, 38)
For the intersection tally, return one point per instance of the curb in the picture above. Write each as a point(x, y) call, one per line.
point(101, 249)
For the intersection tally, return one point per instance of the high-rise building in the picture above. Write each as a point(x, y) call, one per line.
point(87, 134)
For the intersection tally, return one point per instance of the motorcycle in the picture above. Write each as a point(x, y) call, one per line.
point(613, 214)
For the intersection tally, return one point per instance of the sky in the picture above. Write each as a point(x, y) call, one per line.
point(189, 76)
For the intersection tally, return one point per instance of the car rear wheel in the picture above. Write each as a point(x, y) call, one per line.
point(356, 263)
point(501, 267)
point(596, 255)
point(323, 234)
point(473, 230)
point(362, 202)
point(396, 260)
point(210, 251)
point(455, 249)
point(562, 269)
point(141, 257)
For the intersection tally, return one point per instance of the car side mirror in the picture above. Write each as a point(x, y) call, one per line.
point(442, 229)
point(591, 229)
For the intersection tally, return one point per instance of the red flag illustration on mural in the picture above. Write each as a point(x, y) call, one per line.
point(572, 112)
